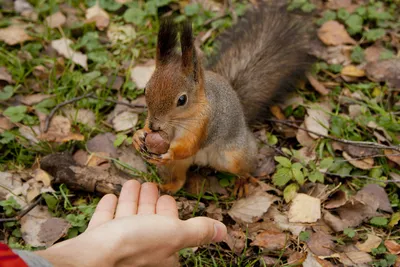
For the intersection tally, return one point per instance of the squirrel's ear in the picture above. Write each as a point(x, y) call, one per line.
point(190, 64)
point(167, 41)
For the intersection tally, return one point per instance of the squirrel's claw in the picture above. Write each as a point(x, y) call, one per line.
point(160, 159)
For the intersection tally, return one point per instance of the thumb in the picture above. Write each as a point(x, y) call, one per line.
point(201, 231)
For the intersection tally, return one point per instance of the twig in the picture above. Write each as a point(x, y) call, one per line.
point(362, 177)
point(23, 212)
point(344, 141)
point(53, 111)
point(215, 19)
point(120, 102)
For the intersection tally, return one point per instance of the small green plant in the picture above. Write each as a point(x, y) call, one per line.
point(10, 206)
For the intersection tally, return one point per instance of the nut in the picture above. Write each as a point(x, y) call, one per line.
point(157, 142)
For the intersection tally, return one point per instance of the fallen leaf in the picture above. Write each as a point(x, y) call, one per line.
point(296, 258)
point(312, 261)
point(321, 244)
point(60, 131)
point(236, 240)
point(121, 33)
point(103, 143)
point(84, 116)
point(277, 112)
point(266, 162)
point(5, 75)
point(30, 100)
point(374, 126)
point(378, 194)
point(252, 208)
point(282, 221)
point(99, 160)
point(135, 164)
point(42, 176)
point(319, 87)
point(304, 209)
point(353, 258)
point(338, 4)
point(21, 6)
point(215, 187)
point(214, 212)
point(338, 199)
point(14, 34)
point(125, 121)
point(352, 71)
point(334, 33)
point(81, 157)
point(5, 124)
point(385, 70)
point(317, 120)
point(141, 74)
point(56, 20)
point(364, 164)
point(8, 183)
point(393, 155)
point(356, 110)
point(372, 242)
point(304, 138)
point(52, 230)
point(392, 246)
point(270, 240)
point(30, 133)
point(373, 53)
point(98, 15)
point(187, 207)
point(62, 46)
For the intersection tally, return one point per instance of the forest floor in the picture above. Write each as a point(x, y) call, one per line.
point(72, 75)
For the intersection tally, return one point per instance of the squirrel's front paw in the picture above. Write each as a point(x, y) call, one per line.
point(139, 141)
point(160, 159)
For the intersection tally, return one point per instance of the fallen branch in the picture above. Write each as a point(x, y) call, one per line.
point(362, 177)
point(53, 111)
point(120, 102)
point(344, 141)
point(23, 212)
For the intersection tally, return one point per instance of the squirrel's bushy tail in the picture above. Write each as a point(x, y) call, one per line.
point(263, 56)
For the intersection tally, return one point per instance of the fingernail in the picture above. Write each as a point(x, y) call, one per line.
point(219, 232)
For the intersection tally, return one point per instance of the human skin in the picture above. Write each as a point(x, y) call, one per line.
point(137, 229)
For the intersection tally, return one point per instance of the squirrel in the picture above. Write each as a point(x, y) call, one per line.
point(207, 109)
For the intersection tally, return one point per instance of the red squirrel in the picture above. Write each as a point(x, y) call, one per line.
point(207, 109)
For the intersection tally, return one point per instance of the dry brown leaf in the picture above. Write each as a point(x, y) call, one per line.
point(186, 207)
point(356, 110)
point(141, 74)
point(385, 70)
point(52, 230)
point(334, 33)
point(393, 155)
point(266, 162)
point(103, 143)
point(84, 116)
point(312, 261)
point(306, 154)
point(372, 242)
point(392, 246)
point(5, 75)
point(121, 33)
point(277, 112)
point(56, 20)
point(352, 71)
point(30, 133)
point(60, 131)
point(236, 240)
point(270, 240)
point(62, 46)
point(8, 183)
point(215, 186)
point(378, 194)
point(30, 100)
point(364, 164)
point(353, 258)
point(38, 228)
point(338, 199)
point(99, 160)
point(129, 157)
point(98, 15)
point(282, 221)
point(125, 121)
point(5, 124)
point(338, 4)
point(214, 212)
point(14, 34)
point(321, 244)
point(252, 208)
point(304, 209)
point(373, 53)
point(296, 258)
point(304, 138)
point(317, 119)
point(319, 87)
point(42, 176)
point(376, 127)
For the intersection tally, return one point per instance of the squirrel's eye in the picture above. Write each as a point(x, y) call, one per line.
point(182, 100)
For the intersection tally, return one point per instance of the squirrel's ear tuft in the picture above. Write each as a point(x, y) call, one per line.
point(189, 57)
point(167, 41)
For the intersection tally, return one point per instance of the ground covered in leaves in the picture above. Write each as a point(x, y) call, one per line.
point(72, 75)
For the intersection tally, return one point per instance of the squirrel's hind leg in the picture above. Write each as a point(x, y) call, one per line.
point(174, 175)
point(242, 185)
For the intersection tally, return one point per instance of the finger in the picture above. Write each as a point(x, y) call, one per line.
point(147, 199)
point(201, 231)
point(104, 211)
point(166, 206)
point(172, 261)
point(128, 199)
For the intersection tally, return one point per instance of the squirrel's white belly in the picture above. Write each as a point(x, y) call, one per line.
point(210, 156)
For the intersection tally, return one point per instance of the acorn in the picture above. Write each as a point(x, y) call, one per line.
point(157, 142)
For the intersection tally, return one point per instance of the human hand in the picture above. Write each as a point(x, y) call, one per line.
point(138, 229)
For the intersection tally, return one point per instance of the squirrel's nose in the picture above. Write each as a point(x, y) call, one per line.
point(154, 126)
